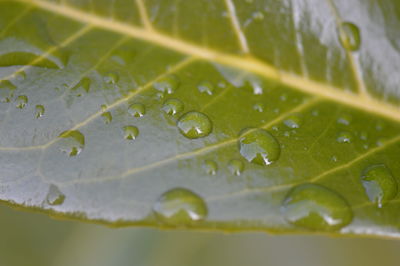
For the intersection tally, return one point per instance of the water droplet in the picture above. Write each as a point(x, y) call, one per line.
point(349, 36)
point(54, 196)
point(379, 184)
point(39, 111)
point(180, 206)
point(23, 58)
point(137, 110)
point(258, 15)
point(73, 142)
point(107, 117)
point(293, 121)
point(6, 90)
point(364, 135)
point(82, 87)
point(21, 101)
point(20, 75)
point(194, 125)
point(210, 167)
point(131, 132)
point(206, 87)
point(111, 78)
point(344, 137)
point(259, 107)
point(344, 120)
point(259, 146)
point(168, 84)
point(316, 207)
point(172, 106)
point(236, 167)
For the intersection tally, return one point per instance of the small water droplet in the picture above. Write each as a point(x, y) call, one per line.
point(82, 87)
point(364, 135)
point(344, 119)
point(194, 125)
point(73, 142)
point(21, 101)
point(39, 111)
point(349, 36)
point(180, 206)
point(293, 121)
point(167, 85)
point(344, 137)
point(172, 106)
point(379, 184)
point(316, 207)
point(6, 90)
point(334, 159)
point(20, 75)
point(206, 87)
point(137, 110)
point(210, 167)
point(54, 196)
point(131, 132)
point(258, 15)
point(259, 107)
point(111, 78)
point(259, 146)
point(107, 117)
point(236, 167)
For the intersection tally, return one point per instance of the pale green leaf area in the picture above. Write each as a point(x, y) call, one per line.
point(35, 240)
point(277, 116)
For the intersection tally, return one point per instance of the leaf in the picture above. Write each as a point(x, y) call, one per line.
point(278, 116)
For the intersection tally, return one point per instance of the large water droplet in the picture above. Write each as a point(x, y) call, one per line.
point(39, 111)
point(344, 137)
point(82, 87)
point(316, 207)
point(168, 84)
point(73, 142)
point(379, 184)
point(107, 117)
point(22, 58)
point(210, 167)
point(349, 36)
point(206, 87)
point(6, 90)
point(130, 132)
point(195, 125)
point(54, 196)
point(137, 110)
point(180, 206)
point(21, 101)
point(172, 106)
point(259, 146)
point(236, 167)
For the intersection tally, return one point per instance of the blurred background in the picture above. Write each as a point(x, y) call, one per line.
point(30, 239)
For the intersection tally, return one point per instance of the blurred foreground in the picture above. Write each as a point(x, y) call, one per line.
point(29, 239)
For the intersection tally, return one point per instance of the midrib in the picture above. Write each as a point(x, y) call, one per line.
point(246, 63)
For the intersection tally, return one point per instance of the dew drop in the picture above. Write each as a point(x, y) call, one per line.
point(210, 167)
point(168, 84)
point(180, 206)
point(21, 101)
point(107, 117)
point(206, 87)
point(6, 90)
point(344, 137)
point(73, 142)
point(259, 146)
point(293, 121)
point(54, 196)
point(236, 167)
point(130, 132)
point(379, 184)
point(172, 106)
point(259, 107)
point(258, 16)
point(39, 111)
point(137, 110)
point(82, 87)
point(344, 120)
point(111, 78)
point(20, 75)
point(349, 36)
point(194, 125)
point(316, 207)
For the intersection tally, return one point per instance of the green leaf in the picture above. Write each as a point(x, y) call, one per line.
point(278, 116)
